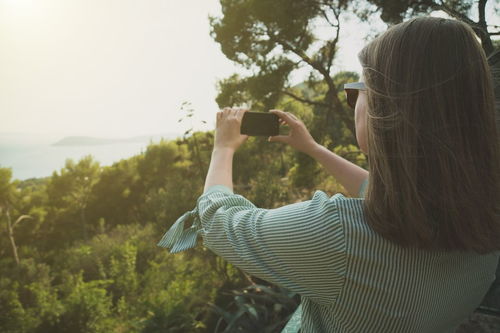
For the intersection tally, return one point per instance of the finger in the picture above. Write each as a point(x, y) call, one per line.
point(241, 113)
point(234, 112)
point(283, 115)
point(278, 138)
point(226, 111)
point(292, 116)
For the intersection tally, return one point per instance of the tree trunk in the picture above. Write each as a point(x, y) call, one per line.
point(84, 222)
point(11, 237)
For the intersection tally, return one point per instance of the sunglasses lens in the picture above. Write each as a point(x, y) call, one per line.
point(352, 96)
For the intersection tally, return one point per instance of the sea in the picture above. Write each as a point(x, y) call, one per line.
point(34, 155)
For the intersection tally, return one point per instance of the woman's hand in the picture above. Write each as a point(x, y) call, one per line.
point(299, 137)
point(227, 132)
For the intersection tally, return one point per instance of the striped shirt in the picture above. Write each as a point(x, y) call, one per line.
point(350, 278)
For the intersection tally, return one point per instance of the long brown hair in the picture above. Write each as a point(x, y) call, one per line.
point(432, 139)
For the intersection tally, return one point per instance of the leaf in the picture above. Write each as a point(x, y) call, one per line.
point(252, 311)
point(234, 321)
point(225, 314)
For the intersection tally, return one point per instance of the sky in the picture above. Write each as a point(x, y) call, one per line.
point(121, 68)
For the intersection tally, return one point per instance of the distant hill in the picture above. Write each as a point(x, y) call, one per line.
point(92, 141)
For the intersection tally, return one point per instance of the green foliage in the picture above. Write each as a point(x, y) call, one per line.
point(113, 277)
point(38, 296)
point(68, 195)
point(159, 161)
point(89, 261)
point(71, 186)
point(88, 255)
point(396, 11)
point(232, 91)
point(12, 314)
point(262, 90)
point(267, 188)
point(257, 308)
point(272, 40)
point(303, 173)
point(7, 187)
point(116, 279)
point(276, 39)
point(122, 270)
point(87, 307)
point(116, 194)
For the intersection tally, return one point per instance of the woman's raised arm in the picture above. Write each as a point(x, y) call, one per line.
point(347, 173)
point(350, 175)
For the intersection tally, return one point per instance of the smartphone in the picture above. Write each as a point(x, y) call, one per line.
point(260, 123)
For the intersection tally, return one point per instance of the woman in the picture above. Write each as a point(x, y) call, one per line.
point(420, 250)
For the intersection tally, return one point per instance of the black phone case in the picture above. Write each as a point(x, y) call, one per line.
point(260, 124)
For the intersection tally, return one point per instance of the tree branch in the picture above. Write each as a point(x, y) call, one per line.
point(480, 7)
point(22, 217)
point(480, 28)
point(303, 100)
point(327, 19)
point(11, 237)
point(305, 58)
point(453, 13)
point(334, 42)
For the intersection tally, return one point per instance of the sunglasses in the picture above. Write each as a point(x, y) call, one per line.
point(352, 91)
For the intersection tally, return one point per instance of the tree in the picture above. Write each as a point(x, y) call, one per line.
point(117, 194)
point(203, 167)
point(11, 227)
point(395, 11)
point(69, 191)
point(8, 195)
point(272, 39)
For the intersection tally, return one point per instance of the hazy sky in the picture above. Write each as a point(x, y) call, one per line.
point(118, 68)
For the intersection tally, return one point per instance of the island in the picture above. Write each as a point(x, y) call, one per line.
point(92, 141)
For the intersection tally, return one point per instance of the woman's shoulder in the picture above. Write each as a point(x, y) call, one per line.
point(346, 209)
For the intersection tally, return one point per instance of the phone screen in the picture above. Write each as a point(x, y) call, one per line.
point(260, 123)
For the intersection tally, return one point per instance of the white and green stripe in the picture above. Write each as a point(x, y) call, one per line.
point(350, 278)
